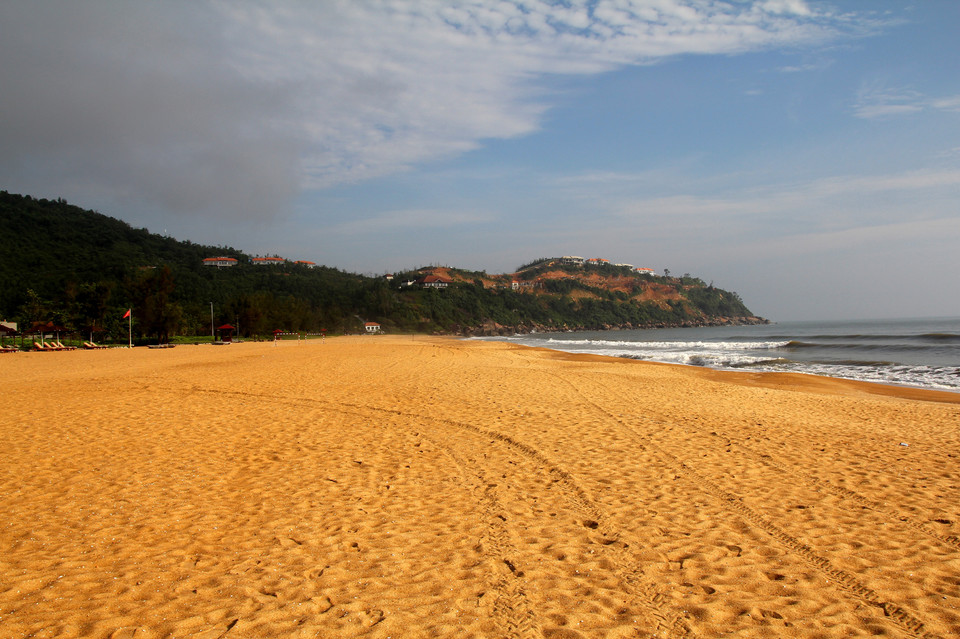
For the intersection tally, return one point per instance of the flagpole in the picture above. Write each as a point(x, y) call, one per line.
point(130, 328)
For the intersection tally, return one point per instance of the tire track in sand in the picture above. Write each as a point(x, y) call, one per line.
point(590, 515)
point(514, 614)
point(768, 460)
point(847, 582)
point(511, 609)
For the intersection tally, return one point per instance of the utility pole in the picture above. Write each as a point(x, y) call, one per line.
point(213, 335)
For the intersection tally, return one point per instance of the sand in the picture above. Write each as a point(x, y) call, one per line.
point(426, 487)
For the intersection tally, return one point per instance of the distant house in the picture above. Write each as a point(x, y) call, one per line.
point(572, 260)
point(516, 285)
point(388, 277)
point(435, 281)
point(220, 262)
point(306, 263)
point(596, 261)
point(624, 265)
point(644, 271)
point(264, 261)
point(371, 327)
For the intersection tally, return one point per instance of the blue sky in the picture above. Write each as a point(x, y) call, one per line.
point(805, 154)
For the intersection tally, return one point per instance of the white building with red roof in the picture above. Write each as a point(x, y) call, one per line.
point(436, 281)
point(266, 261)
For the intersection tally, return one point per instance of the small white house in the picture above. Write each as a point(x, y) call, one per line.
point(371, 327)
point(436, 281)
point(267, 261)
point(220, 262)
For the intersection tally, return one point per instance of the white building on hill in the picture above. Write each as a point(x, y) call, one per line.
point(220, 262)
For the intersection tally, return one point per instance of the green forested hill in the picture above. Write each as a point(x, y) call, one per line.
point(80, 269)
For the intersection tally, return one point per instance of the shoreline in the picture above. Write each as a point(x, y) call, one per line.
point(439, 487)
point(913, 354)
point(809, 382)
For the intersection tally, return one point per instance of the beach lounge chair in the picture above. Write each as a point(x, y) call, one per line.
point(8, 349)
point(64, 348)
point(92, 345)
point(40, 346)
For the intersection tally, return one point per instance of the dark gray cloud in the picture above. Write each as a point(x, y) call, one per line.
point(138, 102)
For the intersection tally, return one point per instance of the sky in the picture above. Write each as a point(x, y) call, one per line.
point(805, 154)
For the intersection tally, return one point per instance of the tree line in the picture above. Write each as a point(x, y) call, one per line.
point(81, 270)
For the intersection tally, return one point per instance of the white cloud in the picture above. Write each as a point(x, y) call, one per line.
point(818, 65)
point(878, 101)
point(424, 220)
point(950, 103)
point(794, 7)
point(896, 234)
point(835, 207)
point(950, 153)
point(240, 105)
point(383, 86)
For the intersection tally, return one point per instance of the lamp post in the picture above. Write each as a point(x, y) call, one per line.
point(213, 336)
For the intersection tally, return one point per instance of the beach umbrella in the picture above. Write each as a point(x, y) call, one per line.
point(228, 329)
point(43, 328)
point(93, 328)
point(4, 331)
point(57, 329)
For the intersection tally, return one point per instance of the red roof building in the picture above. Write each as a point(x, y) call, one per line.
point(435, 281)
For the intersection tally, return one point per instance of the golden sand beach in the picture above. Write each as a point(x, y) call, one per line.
point(430, 487)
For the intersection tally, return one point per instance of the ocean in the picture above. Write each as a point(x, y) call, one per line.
point(923, 353)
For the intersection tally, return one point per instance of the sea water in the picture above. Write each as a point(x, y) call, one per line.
point(923, 353)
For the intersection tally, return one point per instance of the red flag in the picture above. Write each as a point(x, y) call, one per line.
point(127, 314)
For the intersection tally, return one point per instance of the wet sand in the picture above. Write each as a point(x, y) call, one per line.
point(428, 487)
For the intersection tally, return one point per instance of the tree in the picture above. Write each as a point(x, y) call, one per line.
point(154, 310)
point(92, 302)
point(33, 310)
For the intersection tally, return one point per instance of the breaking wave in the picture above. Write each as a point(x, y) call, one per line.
point(906, 355)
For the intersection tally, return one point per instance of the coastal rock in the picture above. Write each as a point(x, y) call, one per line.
point(490, 328)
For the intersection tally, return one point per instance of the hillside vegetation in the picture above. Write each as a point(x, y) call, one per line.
point(81, 270)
